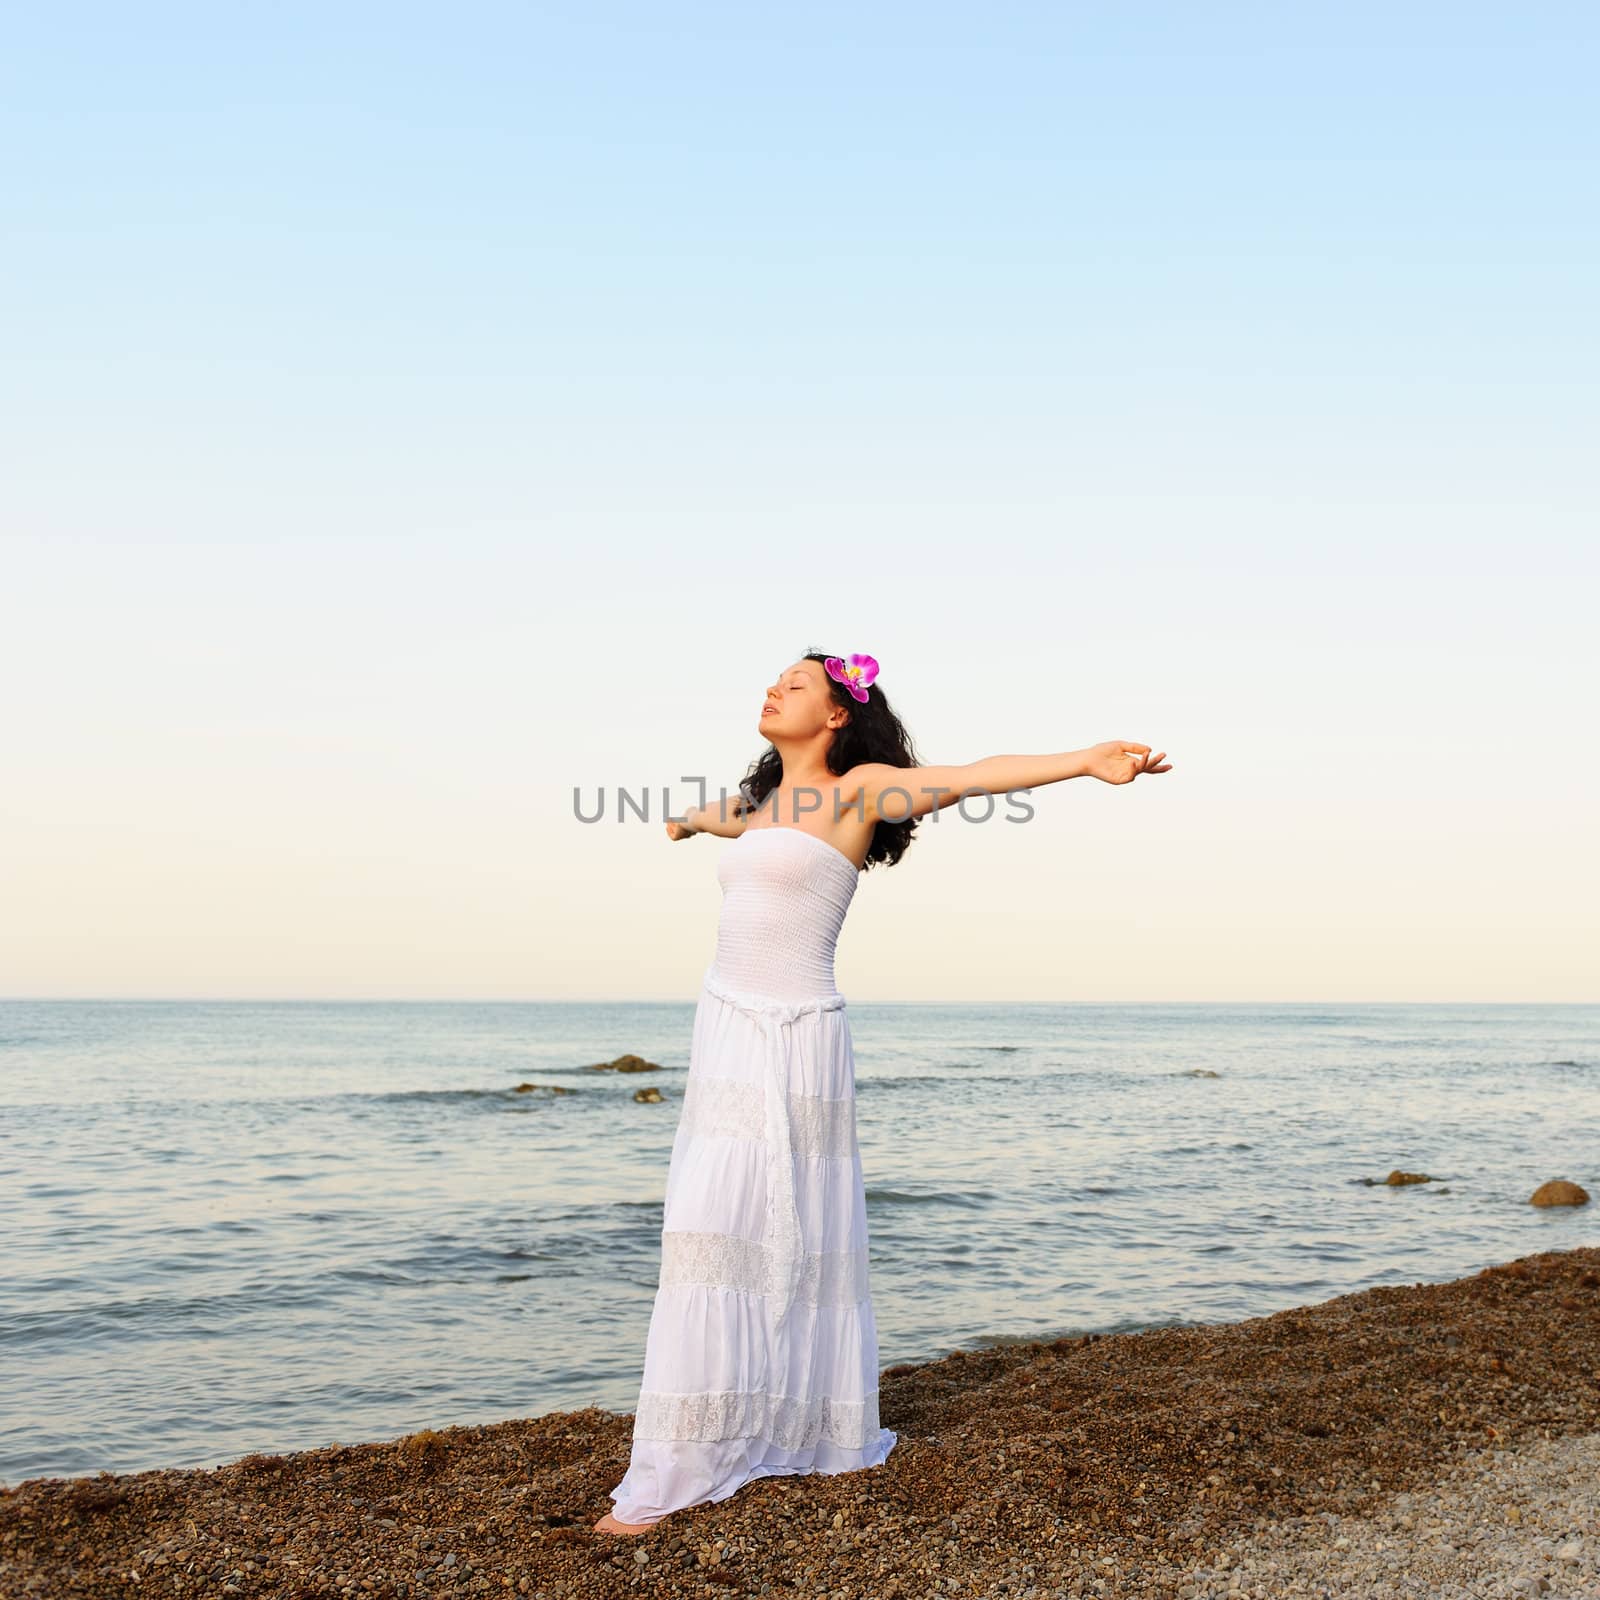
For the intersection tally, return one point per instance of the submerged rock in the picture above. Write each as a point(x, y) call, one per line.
point(1558, 1192)
point(627, 1063)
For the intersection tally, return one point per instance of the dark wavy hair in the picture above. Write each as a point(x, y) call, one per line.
point(872, 733)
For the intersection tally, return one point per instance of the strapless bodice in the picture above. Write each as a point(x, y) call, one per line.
point(784, 897)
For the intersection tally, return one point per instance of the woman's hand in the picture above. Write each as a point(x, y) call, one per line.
point(1118, 761)
point(676, 830)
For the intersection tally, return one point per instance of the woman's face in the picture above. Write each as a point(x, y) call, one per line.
point(799, 702)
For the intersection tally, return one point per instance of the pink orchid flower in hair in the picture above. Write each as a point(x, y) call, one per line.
point(855, 673)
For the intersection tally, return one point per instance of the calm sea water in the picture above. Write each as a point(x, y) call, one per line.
point(238, 1227)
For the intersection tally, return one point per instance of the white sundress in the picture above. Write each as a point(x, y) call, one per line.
point(762, 1352)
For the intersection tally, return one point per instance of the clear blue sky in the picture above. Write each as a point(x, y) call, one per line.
point(236, 218)
point(458, 390)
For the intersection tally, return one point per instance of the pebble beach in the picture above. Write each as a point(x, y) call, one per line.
point(1434, 1440)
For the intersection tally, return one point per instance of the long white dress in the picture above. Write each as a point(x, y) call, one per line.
point(762, 1352)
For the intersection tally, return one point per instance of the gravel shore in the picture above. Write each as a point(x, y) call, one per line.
point(1436, 1440)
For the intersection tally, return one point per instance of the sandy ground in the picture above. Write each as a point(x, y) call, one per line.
point(1446, 1433)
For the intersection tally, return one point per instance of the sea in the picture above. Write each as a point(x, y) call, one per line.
point(232, 1227)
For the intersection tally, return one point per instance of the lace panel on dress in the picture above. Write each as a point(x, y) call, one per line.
point(728, 1261)
point(732, 1108)
point(790, 1423)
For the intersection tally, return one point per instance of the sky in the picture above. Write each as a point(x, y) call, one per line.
point(412, 416)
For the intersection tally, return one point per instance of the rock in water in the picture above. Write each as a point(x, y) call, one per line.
point(625, 1063)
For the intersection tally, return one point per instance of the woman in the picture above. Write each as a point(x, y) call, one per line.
point(762, 1353)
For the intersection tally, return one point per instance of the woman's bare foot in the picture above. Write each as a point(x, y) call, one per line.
point(609, 1524)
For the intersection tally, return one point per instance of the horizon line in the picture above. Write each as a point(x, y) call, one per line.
point(502, 1000)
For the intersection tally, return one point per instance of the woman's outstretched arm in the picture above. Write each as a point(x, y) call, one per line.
point(930, 788)
point(722, 816)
